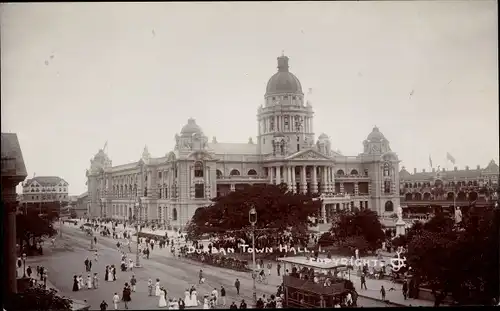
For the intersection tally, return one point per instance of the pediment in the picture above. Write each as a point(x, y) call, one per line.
point(309, 154)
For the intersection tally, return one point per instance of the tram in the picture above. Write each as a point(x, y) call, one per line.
point(315, 283)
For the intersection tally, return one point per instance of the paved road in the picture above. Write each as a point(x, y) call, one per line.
point(175, 274)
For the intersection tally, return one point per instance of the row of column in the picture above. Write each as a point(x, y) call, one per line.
point(326, 172)
point(278, 122)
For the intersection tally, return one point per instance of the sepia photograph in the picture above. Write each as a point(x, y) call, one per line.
point(250, 155)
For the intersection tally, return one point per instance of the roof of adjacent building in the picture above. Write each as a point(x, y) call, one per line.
point(283, 82)
point(491, 168)
point(12, 156)
point(45, 180)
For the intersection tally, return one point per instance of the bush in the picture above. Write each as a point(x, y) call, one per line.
point(38, 298)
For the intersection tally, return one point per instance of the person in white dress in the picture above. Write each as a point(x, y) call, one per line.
point(162, 303)
point(110, 275)
point(170, 304)
point(194, 299)
point(187, 298)
point(157, 288)
point(89, 282)
point(206, 302)
point(80, 282)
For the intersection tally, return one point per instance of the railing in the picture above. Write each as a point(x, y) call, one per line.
point(308, 285)
point(252, 177)
point(351, 176)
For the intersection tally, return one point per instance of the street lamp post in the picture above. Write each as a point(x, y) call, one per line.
point(252, 217)
point(137, 230)
point(24, 265)
point(60, 219)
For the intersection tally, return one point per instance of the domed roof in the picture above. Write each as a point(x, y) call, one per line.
point(283, 81)
point(191, 127)
point(323, 136)
point(375, 135)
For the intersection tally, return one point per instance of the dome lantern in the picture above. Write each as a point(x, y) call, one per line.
point(191, 128)
point(283, 82)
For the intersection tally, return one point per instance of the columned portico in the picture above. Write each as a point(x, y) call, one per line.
point(314, 182)
point(303, 181)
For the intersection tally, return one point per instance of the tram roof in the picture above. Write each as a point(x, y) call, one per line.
point(303, 261)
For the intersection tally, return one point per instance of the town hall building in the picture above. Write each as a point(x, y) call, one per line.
point(169, 189)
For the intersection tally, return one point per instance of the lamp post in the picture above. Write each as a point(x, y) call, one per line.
point(137, 230)
point(60, 219)
point(252, 218)
point(24, 265)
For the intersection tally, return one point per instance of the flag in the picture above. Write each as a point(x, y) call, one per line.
point(450, 158)
point(105, 145)
point(430, 160)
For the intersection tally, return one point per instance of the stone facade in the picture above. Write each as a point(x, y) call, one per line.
point(170, 188)
point(13, 173)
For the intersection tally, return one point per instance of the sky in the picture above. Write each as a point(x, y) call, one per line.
point(75, 75)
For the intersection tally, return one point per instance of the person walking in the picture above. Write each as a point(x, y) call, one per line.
point(201, 278)
point(363, 281)
point(116, 300)
point(269, 267)
point(86, 262)
point(223, 295)
point(150, 287)
point(215, 295)
point(126, 296)
point(243, 304)
point(278, 269)
point(237, 285)
point(405, 289)
point(382, 292)
point(133, 282)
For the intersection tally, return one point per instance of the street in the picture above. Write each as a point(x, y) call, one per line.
point(176, 275)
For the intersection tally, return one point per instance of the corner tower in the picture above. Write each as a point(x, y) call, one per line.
point(285, 115)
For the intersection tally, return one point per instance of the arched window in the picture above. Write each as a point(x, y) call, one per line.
point(387, 171)
point(198, 169)
point(389, 206)
point(174, 214)
point(235, 172)
point(408, 197)
point(354, 172)
point(450, 196)
point(218, 173)
point(427, 196)
point(340, 172)
point(252, 173)
point(418, 196)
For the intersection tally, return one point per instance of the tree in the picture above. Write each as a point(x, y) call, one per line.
point(29, 227)
point(277, 209)
point(461, 262)
point(38, 298)
point(364, 223)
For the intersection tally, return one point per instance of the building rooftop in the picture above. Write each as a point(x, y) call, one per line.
point(45, 180)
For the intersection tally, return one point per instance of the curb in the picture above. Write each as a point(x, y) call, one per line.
point(386, 301)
